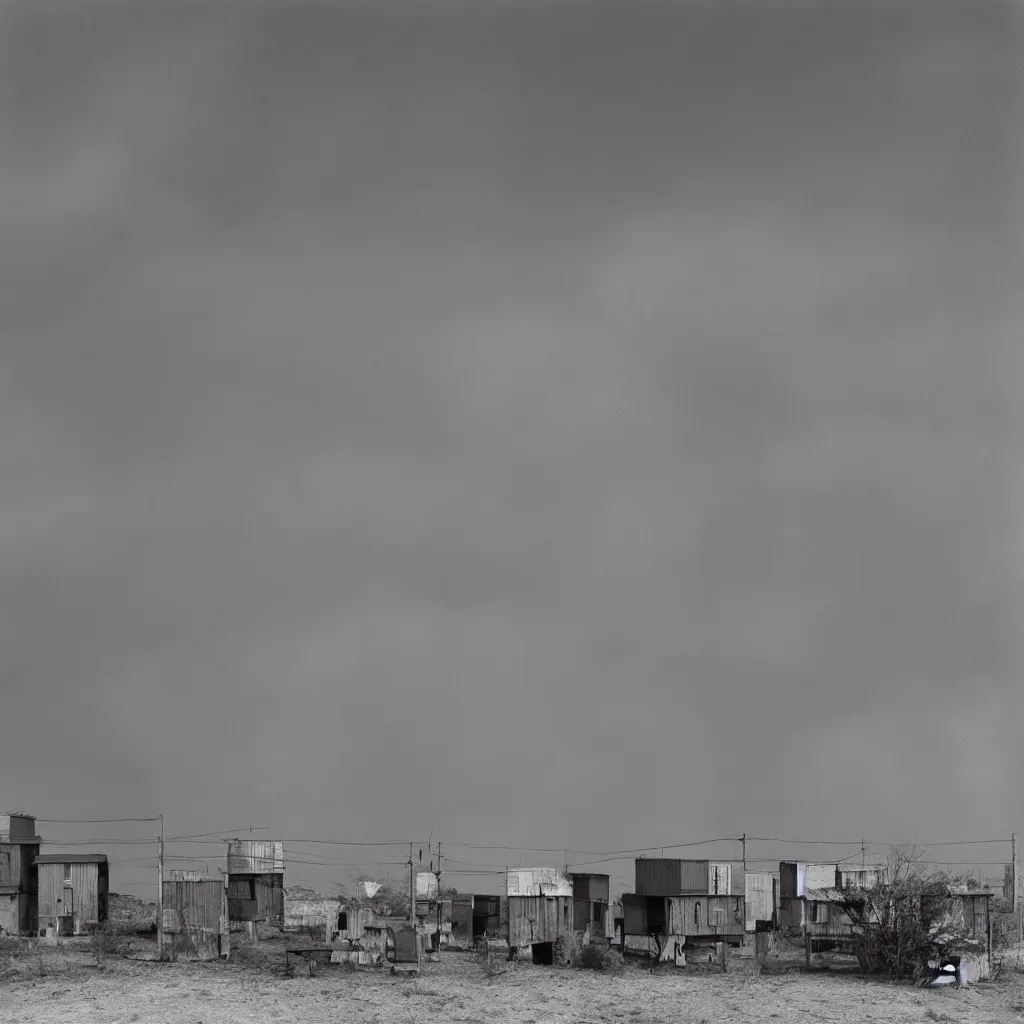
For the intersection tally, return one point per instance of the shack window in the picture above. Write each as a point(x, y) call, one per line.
point(343, 921)
point(67, 874)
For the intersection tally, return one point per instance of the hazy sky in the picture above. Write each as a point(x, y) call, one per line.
point(590, 426)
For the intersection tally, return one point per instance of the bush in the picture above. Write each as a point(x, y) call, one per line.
point(596, 956)
point(900, 925)
point(112, 938)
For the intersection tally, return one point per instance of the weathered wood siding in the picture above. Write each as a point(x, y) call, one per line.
point(760, 903)
point(196, 906)
point(255, 857)
point(270, 899)
point(10, 866)
point(534, 919)
point(537, 882)
point(256, 898)
point(696, 916)
point(17, 871)
point(690, 916)
point(662, 876)
point(89, 892)
point(719, 880)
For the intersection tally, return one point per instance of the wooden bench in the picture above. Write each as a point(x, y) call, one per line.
point(312, 955)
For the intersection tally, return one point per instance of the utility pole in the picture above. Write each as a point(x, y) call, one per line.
point(744, 841)
point(863, 854)
point(160, 897)
point(1018, 909)
point(412, 888)
point(439, 894)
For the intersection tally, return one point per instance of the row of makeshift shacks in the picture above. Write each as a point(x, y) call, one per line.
point(62, 893)
point(68, 894)
point(676, 903)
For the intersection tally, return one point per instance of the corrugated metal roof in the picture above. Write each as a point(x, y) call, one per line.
point(71, 858)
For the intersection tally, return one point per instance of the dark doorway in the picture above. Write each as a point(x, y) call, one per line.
point(543, 953)
point(343, 921)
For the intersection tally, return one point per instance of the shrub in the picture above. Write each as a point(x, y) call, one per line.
point(112, 938)
point(900, 925)
point(596, 956)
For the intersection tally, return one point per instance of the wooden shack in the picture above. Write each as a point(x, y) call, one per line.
point(967, 912)
point(671, 876)
point(19, 885)
point(590, 899)
point(486, 916)
point(255, 884)
point(73, 891)
point(195, 918)
point(802, 887)
point(539, 909)
point(761, 894)
point(680, 920)
point(462, 921)
point(538, 920)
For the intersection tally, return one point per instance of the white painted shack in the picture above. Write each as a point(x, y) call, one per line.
point(760, 897)
point(537, 882)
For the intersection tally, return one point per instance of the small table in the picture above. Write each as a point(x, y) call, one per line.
point(313, 955)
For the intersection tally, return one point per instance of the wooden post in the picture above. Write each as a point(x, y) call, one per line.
point(160, 897)
point(807, 941)
point(1015, 904)
point(724, 945)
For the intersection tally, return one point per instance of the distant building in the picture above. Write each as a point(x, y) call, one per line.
point(73, 890)
point(679, 903)
point(255, 883)
point(19, 887)
point(968, 912)
point(590, 903)
point(307, 910)
point(537, 882)
point(803, 885)
point(540, 910)
point(761, 899)
point(486, 917)
point(864, 877)
point(195, 909)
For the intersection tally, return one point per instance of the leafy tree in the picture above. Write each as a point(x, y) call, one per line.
point(907, 919)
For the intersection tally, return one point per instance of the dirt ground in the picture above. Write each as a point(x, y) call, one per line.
point(42, 984)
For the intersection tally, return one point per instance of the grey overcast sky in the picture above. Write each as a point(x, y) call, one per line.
point(585, 425)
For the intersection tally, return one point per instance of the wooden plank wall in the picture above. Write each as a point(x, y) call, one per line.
point(85, 883)
point(534, 919)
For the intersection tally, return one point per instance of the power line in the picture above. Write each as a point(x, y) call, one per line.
point(968, 842)
point(596, 853)
point(89, 821)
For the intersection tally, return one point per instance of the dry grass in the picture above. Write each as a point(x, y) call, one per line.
point(45, 984)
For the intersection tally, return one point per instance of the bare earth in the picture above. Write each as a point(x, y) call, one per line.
point(42, 985)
